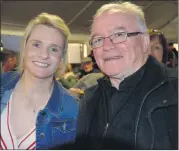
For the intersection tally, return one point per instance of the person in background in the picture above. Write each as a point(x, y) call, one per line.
point(171, 46)
point(171, 59)
point(10, 61)
point(3, 58)
point(1, 46)
point(88, 80)
point(86, 67)
point(68, 79)
point(135, 105)
point(36, 111)
point(172, 56)
point(158, 45)
point(95, 66)
point(84, 83)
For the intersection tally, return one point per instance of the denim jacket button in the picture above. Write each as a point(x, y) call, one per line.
point(42, 135)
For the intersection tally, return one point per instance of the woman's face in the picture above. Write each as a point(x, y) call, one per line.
point(43, 51)
point(156, 49)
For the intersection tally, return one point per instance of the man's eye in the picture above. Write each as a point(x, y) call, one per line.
point(97, 40)
point(118, 34)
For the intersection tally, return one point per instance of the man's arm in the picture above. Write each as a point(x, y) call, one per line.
point(82, 119)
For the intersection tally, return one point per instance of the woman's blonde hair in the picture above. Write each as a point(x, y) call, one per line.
point(49, 20)
point(124, 7)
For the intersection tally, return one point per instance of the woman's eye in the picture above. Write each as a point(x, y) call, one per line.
point(37, 45)
point(53, 49)
point(157, 48)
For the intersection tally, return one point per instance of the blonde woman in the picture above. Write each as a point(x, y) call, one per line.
point(36, 111)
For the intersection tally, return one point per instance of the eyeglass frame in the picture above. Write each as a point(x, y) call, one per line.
point(126, 35)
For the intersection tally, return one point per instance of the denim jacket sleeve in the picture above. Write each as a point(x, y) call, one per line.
point(8, 81)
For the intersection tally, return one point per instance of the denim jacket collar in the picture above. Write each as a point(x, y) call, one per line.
point(54, 104)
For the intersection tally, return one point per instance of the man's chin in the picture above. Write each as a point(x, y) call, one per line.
point(121, 75)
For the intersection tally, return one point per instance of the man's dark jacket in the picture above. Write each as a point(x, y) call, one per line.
point(155, 124)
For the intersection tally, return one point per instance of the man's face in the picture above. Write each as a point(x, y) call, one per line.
point(170, 48)
point(118, 59)
point(88, 66)
point(9, 64)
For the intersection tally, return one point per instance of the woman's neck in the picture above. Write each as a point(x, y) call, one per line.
point(36, 86)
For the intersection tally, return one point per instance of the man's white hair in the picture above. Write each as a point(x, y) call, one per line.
point(124, 7)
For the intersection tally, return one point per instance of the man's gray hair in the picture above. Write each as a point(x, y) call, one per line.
point(124, 7)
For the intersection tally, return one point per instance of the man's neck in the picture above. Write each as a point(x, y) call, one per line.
point(117, 79)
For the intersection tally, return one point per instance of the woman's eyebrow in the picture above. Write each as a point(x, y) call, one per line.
point(34, 40)
point(39, 41)
point(56, 45)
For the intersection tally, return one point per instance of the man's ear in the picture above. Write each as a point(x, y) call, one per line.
point(146, 43)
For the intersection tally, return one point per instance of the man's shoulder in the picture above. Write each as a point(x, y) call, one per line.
point(92, 89)
point(92, 93)
point(172, 73)
point(172, 76)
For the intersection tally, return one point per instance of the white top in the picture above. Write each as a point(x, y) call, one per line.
point(8, 139)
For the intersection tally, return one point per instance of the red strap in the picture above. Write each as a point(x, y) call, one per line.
point(3, 143)
point(31, 145)
point(25, 138)
point(8, 127)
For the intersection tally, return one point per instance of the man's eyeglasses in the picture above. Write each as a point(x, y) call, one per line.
point(114, 38)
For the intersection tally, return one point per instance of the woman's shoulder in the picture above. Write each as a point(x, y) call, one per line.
point(70, 102)
point(10, 74)
point(67, 94)
point(7, 77)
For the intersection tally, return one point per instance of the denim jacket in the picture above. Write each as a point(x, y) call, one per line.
point(56, 123)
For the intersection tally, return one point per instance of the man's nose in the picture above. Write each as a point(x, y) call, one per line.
point(107, 44)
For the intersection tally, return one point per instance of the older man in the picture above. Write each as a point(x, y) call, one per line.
point(135, 105)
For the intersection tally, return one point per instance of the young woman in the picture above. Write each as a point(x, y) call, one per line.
point(36, 111)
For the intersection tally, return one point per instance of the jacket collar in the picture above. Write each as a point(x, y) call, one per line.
point(55, 102)
point(154, 72)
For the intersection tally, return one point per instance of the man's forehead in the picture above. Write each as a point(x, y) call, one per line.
point(115, 17)
point(114, 22)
